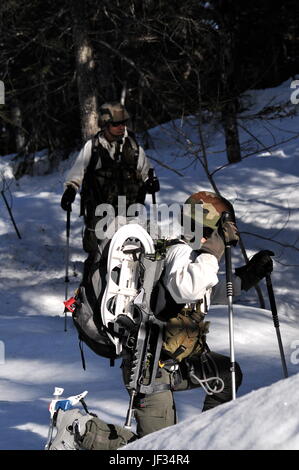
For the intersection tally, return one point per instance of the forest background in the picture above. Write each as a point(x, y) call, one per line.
point(60, 60)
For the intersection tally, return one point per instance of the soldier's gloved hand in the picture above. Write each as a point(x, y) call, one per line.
point(68, 198)
point(256, 269)
point(214, 245)
point(152, 185)
point(228, 228)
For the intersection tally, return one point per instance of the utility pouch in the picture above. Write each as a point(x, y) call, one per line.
point(185, 334)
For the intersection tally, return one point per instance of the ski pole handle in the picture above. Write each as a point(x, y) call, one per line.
point(153, 184)
point(154, 201)
point(228, 229)
point(68, 222)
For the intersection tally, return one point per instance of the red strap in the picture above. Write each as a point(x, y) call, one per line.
point(70, 304)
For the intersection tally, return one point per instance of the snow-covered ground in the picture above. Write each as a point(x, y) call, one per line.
point(36, 353)
point(265, 419)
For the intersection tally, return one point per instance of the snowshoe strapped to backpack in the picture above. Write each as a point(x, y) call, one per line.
point(105, 310)
point(102, 309)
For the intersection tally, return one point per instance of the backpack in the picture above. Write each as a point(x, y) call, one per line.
point(87, 316)
point(86, 313)
point(93, 335)
point(86, 305)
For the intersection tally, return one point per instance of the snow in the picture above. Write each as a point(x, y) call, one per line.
point(36, 354)
point(249, 423)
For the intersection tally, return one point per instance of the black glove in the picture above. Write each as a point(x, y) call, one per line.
point(152, 184)
point(256, 269)
point(214, 245)
point(68, 198)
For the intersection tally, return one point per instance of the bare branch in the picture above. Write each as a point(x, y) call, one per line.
point(256, 154)
point(253, 136)
point(165, 165)
point(285, 245)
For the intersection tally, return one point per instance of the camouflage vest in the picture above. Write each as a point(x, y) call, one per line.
point(115, 177)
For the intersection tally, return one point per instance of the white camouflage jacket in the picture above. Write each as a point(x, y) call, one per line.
point(189, 280)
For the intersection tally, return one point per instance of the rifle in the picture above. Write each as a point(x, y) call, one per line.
point(148, 343)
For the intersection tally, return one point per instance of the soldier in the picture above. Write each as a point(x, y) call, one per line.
point(111, 164)
point(189, 283)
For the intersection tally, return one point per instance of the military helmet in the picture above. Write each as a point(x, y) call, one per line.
point(212, 206)
point(112, 113)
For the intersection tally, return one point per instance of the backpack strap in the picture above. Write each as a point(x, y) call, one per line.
point(161, 246)
point(133, 141)
point(90, 167)
point(94, 152)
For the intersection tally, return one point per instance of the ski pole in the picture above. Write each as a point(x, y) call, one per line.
point(151, 177)
point(128, 423)
point(276, 323)
point(229, 292)
point(156, 187)
point(10, 214)
point(66, 280)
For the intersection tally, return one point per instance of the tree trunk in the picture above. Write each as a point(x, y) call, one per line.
point(85, 66)
point(230, 125)
point(229, 90)
point(18, 132)
point(2, 92)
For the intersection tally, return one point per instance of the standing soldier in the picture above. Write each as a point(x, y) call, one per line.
point(181, 298)
point(111, 164)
